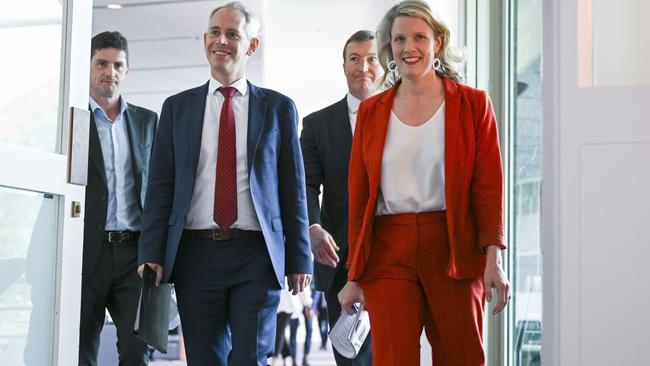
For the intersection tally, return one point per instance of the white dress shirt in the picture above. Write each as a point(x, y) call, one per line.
point(200, 215)
point(353, 110)
point(413, 167)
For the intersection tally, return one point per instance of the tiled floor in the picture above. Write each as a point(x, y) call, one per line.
point(317, 357)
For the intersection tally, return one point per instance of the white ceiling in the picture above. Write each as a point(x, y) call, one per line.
point(165, 43)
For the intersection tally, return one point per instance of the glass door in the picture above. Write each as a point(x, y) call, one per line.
point(525, 126)
point(44, 75)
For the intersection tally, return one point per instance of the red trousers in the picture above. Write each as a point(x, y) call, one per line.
point(406, 287)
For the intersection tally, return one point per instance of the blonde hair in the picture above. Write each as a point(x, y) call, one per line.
point(418, 9)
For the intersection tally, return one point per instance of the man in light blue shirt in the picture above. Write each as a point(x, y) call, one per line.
point(123, 211)
point(121, 139)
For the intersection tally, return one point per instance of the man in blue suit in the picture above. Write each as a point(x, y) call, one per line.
point(225, 217)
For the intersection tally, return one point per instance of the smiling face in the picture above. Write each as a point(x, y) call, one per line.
point(108, 69)
point(360, 68)
point(414, 47)
point(228, 46)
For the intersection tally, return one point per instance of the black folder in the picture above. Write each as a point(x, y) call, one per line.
point(152, 318)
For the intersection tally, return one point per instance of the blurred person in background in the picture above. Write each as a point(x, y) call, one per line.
point(289, 310)
point(320, 310)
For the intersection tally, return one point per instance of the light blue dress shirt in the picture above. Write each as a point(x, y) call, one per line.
point(123, 210)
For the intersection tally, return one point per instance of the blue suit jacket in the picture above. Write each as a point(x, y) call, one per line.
point(275, 170)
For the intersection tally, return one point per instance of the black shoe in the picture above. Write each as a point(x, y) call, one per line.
point(305, 362)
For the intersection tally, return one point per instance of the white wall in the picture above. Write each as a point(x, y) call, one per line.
point(596, 237)
point(620, 42)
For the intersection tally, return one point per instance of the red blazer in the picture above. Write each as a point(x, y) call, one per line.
point(473, 178)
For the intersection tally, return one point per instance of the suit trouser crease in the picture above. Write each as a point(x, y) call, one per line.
point(407, 288)
point(227, 298)
point(114, 285)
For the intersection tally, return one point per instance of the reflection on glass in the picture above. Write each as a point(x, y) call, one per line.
point(527, 164)
point(30, 33)
point(27, 262)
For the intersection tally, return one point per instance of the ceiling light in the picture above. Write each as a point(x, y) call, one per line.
point(114, 6)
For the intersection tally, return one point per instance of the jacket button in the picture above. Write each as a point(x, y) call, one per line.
point(103, 198)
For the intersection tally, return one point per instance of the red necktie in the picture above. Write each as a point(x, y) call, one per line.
point(225, 187)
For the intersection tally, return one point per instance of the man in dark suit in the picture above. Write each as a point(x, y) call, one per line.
point(225, 217)
point(121, 137)
point(326, 141)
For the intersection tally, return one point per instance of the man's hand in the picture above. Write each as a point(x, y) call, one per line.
point(493, 277)
point(156, 267)
point(297, 282)
point(323, 246)
point(349, 295)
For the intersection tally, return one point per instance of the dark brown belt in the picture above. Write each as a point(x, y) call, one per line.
point(219, 234)
point(121, 236)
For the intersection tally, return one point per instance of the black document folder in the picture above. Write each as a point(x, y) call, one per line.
point(152, 318)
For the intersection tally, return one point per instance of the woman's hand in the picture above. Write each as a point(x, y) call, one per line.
point(349, 295)
point(493, 277)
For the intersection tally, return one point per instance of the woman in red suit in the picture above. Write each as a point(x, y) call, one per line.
point(426, 201)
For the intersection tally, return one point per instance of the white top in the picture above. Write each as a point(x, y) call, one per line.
point(353, 110)
point(200, 215)
point(413, 167)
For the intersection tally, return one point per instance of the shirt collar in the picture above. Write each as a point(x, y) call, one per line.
point(241, 85)
point(94, 105)
point(353, 103)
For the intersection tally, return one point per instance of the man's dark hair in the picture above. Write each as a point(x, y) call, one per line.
point(109, 40)
point(362, 35)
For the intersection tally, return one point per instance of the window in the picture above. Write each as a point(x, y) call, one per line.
point(525, 131)
point(28, 232)
point(505, 44)
point(30, 73)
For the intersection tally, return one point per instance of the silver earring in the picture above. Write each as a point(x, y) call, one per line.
point(392, 66)
point(437, 65)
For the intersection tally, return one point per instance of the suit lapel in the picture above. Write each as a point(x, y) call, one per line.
point(195, 125)
point(341, 128)
point(256, 118)
point(135, 132)
point(452, 126)
point(95, 149)
point(376, 139)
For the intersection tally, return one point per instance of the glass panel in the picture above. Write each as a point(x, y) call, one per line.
point(29, 97)
point(621, 38)
point(612, 39)
point(28, 224)
point(526, 129)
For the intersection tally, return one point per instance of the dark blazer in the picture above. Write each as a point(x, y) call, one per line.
point(141, 128)
point(473, 178)
point(276, 178)
point(326, 141)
